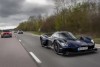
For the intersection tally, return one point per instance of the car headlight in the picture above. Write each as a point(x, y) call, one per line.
point(64, 44)
point(92, 41)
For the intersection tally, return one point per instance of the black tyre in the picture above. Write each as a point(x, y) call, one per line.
point(1, 36)
point(56, 48)
point(11, 36)
point(42, 43)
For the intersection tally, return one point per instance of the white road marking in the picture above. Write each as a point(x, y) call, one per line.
point(35, 35)
point(19, 40)
point(98, 47)
point(33, 56)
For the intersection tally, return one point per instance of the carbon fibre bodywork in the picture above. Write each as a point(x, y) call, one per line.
point(64, 41)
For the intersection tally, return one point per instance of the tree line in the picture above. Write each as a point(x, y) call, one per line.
point(81, 17)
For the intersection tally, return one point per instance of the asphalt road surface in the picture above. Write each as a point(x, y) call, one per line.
point(12, 54)
point(47, 58)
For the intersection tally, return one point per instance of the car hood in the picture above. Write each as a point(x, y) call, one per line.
point(78, 43)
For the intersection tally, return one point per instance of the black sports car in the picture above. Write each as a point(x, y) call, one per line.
point(64, 42)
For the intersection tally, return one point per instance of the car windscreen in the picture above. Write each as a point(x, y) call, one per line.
point(68, 35)
point(6, 30)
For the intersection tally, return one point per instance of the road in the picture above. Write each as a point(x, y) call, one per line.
point(12, 54)
point(48, 58)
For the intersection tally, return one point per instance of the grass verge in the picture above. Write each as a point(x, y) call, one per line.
point(38, 33)
point(97, 40)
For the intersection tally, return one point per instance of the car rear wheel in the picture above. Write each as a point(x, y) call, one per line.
point(1, 36)
point(11, 36)
point(42, 43)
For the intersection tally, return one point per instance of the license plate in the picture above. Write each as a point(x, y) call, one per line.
point(83, 48)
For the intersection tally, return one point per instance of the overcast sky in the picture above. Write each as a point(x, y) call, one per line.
point(12, 12)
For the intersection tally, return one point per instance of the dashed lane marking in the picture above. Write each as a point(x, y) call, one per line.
point(34, 57)
point(19, 40)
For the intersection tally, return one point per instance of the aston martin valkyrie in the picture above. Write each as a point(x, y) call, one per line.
point(64, 42)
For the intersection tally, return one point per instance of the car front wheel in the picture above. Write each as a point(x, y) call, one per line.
point(56, 48)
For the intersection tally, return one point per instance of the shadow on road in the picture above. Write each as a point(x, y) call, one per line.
point(75, 54)
point(80, 54)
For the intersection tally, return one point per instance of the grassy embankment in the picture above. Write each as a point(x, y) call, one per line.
point(97, 40)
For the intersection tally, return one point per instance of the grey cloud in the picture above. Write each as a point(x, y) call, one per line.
point(13, 7)
point(12, 12)
point(37, 10)
point(10, 7)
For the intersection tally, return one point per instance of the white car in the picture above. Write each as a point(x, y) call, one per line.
point(20, 32)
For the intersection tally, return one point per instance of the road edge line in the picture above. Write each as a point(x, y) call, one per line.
point(98, 47)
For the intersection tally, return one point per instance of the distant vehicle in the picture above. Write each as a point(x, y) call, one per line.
point(15, 31)
point(6, 33)
point(65, 43)
point(20, 32)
